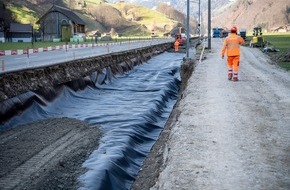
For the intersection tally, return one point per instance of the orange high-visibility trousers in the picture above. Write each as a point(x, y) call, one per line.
point(231, 46)
point(233, 65)
point(176, 45)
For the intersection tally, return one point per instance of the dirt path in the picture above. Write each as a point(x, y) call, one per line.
point(46, 154)
point(229, 135)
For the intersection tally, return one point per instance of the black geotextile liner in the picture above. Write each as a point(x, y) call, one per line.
point(131, 109)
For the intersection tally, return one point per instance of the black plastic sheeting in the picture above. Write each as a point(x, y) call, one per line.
point(131, 109)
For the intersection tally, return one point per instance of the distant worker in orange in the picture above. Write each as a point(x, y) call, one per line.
point(231, 47)
point(176, 45)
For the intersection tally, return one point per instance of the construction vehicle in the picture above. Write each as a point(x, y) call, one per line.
point(181, 39)
point(179, 35)
point(243, 33)
point(258, 39)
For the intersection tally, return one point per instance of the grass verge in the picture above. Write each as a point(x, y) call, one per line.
point(285, 65)
point(282, 42)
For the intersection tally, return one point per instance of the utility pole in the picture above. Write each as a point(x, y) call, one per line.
point(209, 25)
point(187, 31)
point(199, 19)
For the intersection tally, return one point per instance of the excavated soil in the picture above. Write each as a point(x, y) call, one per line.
point(46, 154)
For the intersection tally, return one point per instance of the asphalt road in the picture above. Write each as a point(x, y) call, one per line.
point(18, 62)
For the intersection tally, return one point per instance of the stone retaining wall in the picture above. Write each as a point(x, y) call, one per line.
point(15, 83)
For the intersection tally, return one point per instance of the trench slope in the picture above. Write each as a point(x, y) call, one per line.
point(131, 110)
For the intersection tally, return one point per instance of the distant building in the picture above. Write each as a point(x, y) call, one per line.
point(62, 23)
point(20, 32)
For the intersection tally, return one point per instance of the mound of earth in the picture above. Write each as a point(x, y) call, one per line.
point(281, 57)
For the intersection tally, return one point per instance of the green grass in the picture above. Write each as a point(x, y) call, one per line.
point(282, 42)
point(27, 45)
point(96, 2)
point(24, 15)
point(285, 65)
point(147, 17)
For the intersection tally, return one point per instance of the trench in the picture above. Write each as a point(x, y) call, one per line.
point(131, 107)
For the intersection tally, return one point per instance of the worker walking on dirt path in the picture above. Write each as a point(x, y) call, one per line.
point(231, 47)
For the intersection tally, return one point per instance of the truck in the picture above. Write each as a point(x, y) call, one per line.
point(216, 33)
point(219, 32)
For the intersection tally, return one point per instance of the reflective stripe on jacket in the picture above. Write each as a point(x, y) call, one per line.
point(232, 45)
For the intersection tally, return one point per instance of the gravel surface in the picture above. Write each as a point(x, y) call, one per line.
point(227, 135)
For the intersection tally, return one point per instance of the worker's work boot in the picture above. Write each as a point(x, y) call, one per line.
point(230, 75)
point(235, 79)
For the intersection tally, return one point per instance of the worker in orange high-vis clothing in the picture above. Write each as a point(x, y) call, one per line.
point(231, 47)
point(176, 45)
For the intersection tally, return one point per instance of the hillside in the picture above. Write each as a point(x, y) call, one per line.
point(123, 18)
point(177, 4)
point(147, 18)
point(161, 16)
point(268, 14)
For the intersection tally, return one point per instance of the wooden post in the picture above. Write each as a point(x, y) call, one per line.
point(108, 50)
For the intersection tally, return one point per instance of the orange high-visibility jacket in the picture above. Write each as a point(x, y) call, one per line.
point(232, 45)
